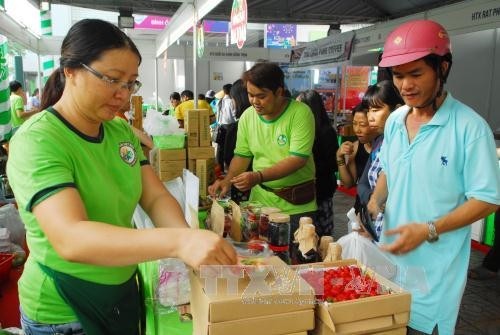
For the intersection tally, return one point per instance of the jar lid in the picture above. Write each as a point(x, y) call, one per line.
point(279, 218)
point(270, 210)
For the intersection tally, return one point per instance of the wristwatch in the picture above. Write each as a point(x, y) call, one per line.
point(433, 235)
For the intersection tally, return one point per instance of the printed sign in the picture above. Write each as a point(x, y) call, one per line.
point(332, 49)
point(239, 16)
point(281, 35)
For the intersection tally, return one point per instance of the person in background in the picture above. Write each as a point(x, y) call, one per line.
point(187, 98)
point(382, 99)
point(226, 117)
point(212, 101)
point(175, 100)
point(324, 151)
point(239, 95)
point(34, 101)
point(276, 135)
point(78, 173)
point(17, 103)
point(491, 262)
point(352, 156)
point(430, 185)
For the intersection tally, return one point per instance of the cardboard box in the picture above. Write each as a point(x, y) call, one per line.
point(201, 152)
point(192, 165)
point(191, 125)
point(285, 306)
point(320, 328)
point(170, 169)
point(371, 315)
point(205, 171)
point(171, 154)
point(204, 131)
point(273, 324)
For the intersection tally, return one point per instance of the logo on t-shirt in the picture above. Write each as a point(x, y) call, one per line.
point(127, 153)
point(282, 140)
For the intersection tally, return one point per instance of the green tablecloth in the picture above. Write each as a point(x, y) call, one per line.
point(159, 320)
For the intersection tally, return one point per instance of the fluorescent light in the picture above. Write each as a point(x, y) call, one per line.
point(44, 5)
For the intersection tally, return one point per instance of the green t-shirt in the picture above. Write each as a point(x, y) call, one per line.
point(16, 103)
point(48, 154)
point(268, 142)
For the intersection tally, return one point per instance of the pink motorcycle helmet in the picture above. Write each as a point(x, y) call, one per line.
point(414, 40)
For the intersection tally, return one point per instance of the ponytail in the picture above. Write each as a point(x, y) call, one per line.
point(53, 90)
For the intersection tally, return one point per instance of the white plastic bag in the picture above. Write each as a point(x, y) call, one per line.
point(10, 219)
point(173, 283)
point(368, 253)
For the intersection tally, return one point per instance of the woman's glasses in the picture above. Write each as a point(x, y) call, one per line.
point(132, 87)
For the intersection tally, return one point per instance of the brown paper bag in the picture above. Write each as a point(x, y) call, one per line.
point(217, 218)
point(236, 222)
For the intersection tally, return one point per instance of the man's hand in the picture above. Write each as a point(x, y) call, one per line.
point(411, 235)
point(246, 180)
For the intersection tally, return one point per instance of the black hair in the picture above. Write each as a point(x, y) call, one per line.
point(85, 43)
point(240, 96)
point(188, 94)
point(227, 88)
point(52, 91)
point(14, 86)
point(201, 96)
point(175, 96)
point(383, 93)
point(35, 92)
point(265, 75)
point(314, 100)
point(362, 107)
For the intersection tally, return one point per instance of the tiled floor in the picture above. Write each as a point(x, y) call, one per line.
point(480, 308)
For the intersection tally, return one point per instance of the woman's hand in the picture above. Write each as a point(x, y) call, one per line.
point(204, 247)
point(346, 148)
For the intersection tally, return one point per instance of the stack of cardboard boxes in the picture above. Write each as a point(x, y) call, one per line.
point(199, 157)
point(200, 153)
point(272, 302)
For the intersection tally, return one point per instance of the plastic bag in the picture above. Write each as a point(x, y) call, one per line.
point(368, 253)
point(157, 124)
point(10, 219)
point(173, 283)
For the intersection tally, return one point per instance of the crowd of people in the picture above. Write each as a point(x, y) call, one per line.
point(78, 172)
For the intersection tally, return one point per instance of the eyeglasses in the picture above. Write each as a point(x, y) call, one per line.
point(132, 87)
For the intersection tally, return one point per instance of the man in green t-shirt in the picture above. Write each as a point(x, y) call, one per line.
point(17, 102)
point(276, 135)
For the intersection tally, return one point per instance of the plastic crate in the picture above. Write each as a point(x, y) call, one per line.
point(5, 266)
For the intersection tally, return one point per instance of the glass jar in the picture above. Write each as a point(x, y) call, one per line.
point(279, 235)
point(264, 221)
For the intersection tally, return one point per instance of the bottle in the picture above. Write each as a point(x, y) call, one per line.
point(279, 235)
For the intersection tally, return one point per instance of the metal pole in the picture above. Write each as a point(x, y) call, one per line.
point(156, 84)
point(195, 37)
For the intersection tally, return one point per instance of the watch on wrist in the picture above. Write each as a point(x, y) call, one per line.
point(433, 235)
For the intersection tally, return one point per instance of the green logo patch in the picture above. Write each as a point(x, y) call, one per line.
point(282, 140)
point(127, 153)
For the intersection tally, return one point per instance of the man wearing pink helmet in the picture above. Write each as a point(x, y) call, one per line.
point(431, 186)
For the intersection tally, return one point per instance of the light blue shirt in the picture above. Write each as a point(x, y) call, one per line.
point(451, 160)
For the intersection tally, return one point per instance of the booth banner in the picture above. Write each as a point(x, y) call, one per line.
point(239, 17)
point(5, 125)
point(48, 65)
point(331, 49)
